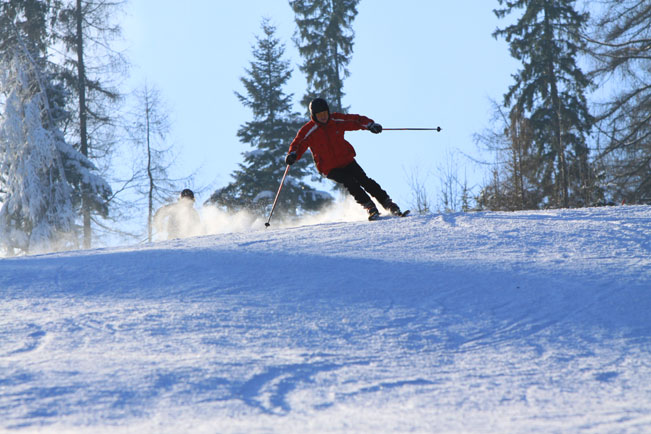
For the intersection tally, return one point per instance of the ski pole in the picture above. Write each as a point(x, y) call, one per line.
point(412, 129)
point(273, 207)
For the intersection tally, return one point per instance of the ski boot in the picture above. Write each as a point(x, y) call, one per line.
point(391, 206)
point(394, 209)
point(373, 213)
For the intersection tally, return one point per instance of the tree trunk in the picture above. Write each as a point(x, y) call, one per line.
point(557, 123)
point(83, 127)
point(150, 174)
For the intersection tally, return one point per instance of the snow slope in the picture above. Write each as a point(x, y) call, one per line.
point(480, 322)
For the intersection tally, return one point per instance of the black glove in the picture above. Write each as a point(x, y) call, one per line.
point(375, 128)
point(290, 158)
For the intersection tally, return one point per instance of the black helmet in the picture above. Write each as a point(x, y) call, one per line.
point(318, 105)
point(187, 193)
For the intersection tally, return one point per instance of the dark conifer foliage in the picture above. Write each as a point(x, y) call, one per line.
point(325, 41)
point(549, 92)
point(269, 133)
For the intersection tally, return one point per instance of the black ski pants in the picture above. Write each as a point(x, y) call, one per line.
point(356, 182)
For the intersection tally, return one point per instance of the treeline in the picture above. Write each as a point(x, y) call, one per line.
point(555, 148)
point(63, 115)
point(63, 120)
point(55, 122)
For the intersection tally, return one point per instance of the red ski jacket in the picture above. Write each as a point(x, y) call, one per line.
point(326, 141)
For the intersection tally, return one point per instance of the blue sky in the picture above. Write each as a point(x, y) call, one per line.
point(416, 63)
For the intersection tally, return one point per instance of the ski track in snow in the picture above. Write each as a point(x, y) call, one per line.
point(533, 321)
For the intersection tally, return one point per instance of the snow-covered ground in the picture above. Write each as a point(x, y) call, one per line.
point(479, 322)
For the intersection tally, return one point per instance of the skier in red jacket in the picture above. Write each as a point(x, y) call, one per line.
point(335, 157)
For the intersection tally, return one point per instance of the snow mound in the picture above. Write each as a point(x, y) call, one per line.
point(480, 322)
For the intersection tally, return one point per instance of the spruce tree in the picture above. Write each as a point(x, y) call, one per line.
point(325, 41)
point(549, 91)
point(269, 133)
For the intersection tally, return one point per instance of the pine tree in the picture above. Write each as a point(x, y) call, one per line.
point(36, 163)
point(549, 90)
point(273, 127)
point(325, 40)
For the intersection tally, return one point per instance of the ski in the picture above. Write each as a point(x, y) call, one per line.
point(378, 216)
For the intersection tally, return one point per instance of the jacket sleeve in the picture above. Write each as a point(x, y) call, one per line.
point(300, 142)
point(353, 122)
